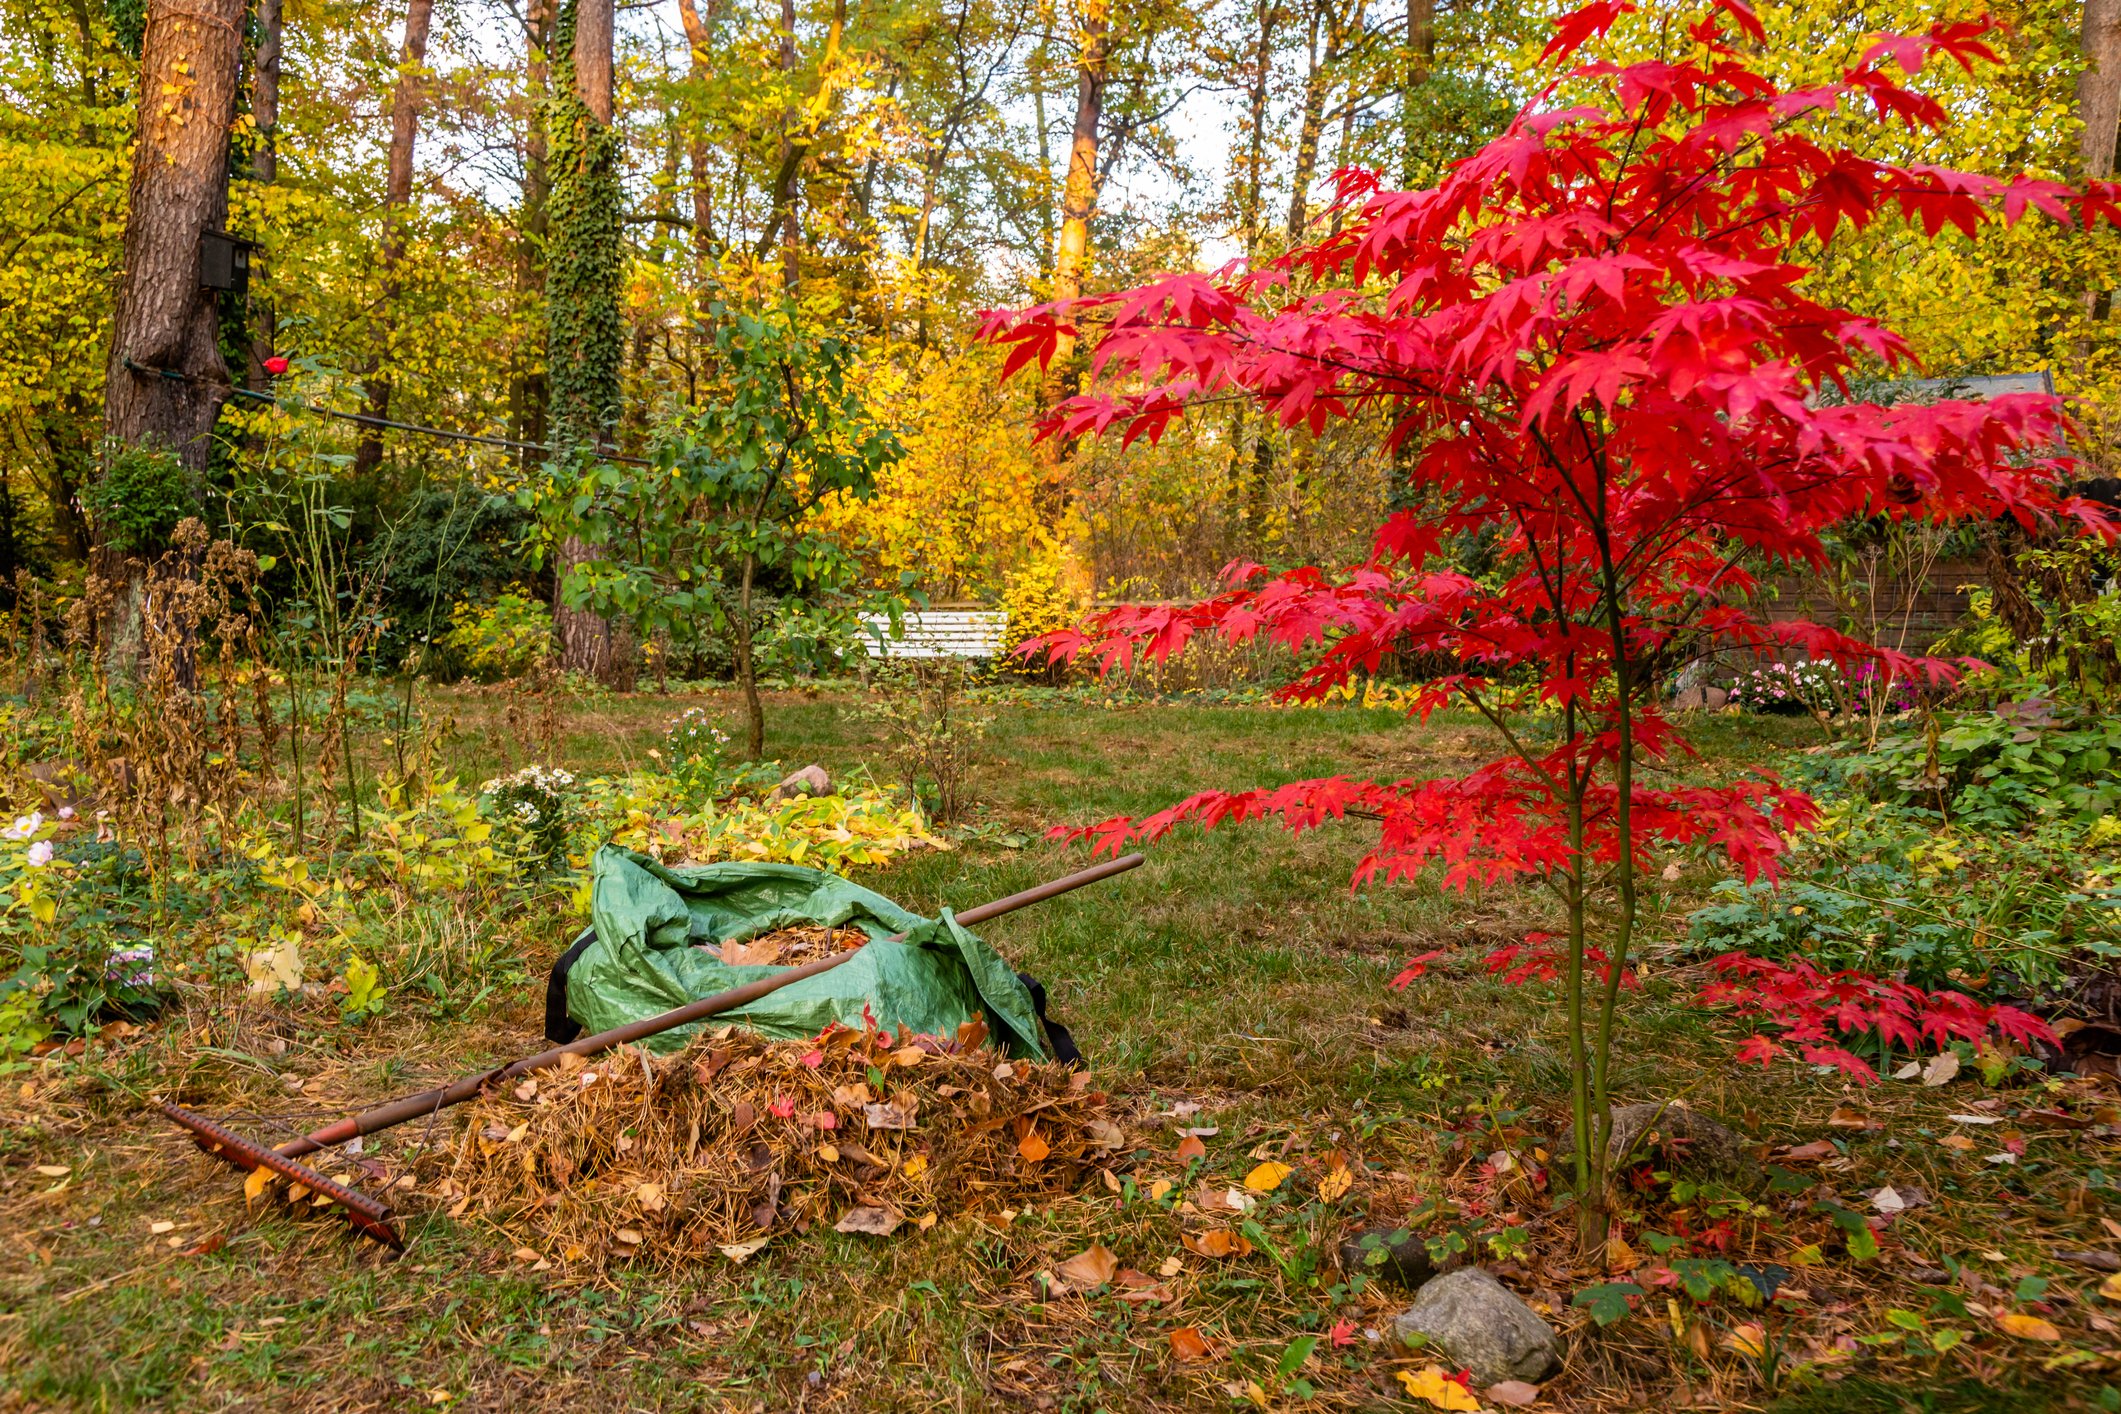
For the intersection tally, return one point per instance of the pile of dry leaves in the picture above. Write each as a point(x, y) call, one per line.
point(631, 1158)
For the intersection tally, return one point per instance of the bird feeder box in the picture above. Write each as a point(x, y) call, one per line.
point(224, 262)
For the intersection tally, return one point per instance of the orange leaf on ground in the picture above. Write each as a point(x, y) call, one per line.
point(1190, 1148)
point(1032, 1147)
point(1219, 1242)
point(1188, 1344)
point(1091, 1267)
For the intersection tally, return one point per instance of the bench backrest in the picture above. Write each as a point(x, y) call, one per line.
point(940, 633)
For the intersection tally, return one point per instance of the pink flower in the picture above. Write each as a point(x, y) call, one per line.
point(276, 365)
point(40, 854)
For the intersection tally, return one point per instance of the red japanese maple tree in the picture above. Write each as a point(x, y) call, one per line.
point(1594, 335)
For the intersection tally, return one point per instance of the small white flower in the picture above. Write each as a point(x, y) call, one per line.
point(66, 812)
point(25, 826)
point(40, 854)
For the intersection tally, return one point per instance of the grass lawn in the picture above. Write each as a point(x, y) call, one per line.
point(1235, 971)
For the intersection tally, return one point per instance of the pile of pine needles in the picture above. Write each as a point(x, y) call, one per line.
point(629, 1158)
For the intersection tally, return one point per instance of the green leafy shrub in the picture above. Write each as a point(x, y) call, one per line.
point(1887, 889)
point(535, 803)
point(503, 638)
point(139, 499)
point(2025, 760)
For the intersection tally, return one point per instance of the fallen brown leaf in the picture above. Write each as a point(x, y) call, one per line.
point(1188, 1344)
point(869, 1221)
point(1093, 1266)
point(1515, 1393)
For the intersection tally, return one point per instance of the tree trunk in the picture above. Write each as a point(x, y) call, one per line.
point(165, 381)
point(1420, 63)
point(2099, 109)
point(585, 337)
point(747, 668)
point(529, 389)
point(1313, 122)
point(405, 101)
point(264, 169)
point(163, 320)
point(1258, 89)
point(698, 37)
point(1071, 248)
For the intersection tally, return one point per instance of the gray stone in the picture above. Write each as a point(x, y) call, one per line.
point(1675, 1138)
point(1481, 1325)
point(811, 780)
point(1376, 1254)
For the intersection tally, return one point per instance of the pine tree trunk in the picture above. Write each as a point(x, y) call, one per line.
point(699, 35)
point(166, 381)
point(528, 389)
point(405, 101)
point(264, 169)
point(163, 320)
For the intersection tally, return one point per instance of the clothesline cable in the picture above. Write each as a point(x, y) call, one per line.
point(369, 419)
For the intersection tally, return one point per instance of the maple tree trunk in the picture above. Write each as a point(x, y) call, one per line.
point(189, 62)
point(2099, 109)
point(264, 169)
point(397, 196)
point(1071, 247)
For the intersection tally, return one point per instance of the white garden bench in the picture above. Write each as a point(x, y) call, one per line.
point(939, 633)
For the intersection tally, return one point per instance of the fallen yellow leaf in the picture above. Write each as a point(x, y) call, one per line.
point(54, 1170)
point(1440, 1390)
point(2026, 1327)
point(2111, 1287)
point(1335, 1185)
point(1267, 1177)
point(915, 1166)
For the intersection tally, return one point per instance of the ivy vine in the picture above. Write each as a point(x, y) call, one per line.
point(582, 264)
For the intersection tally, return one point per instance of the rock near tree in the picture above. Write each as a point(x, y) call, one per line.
point(1481, 1325)
point(1674, 1137)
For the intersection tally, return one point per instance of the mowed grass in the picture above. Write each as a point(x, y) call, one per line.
point(1236, 970)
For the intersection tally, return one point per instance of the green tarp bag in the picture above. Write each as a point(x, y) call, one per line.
point(659, 929)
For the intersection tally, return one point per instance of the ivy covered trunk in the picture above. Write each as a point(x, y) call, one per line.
point(583, 333)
